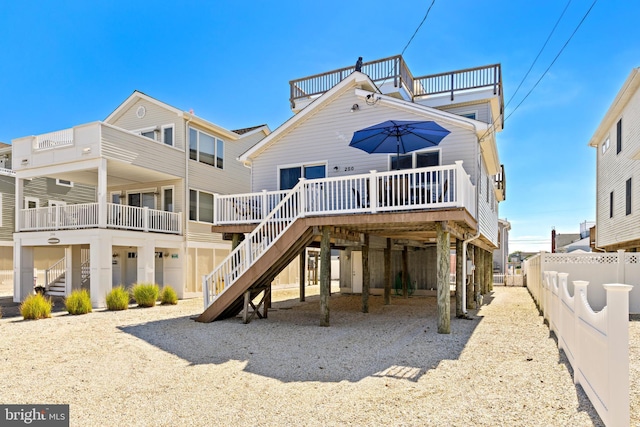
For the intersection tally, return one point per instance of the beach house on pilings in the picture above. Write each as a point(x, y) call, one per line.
point(391, 217)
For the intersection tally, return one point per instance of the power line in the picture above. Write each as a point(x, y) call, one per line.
point(538, 55)
point(545, 71)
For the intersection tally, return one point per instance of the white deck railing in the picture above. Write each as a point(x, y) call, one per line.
point(53, 139)
point(436, 187)
point(86, 215)
point(596, 344)
point(409, 189)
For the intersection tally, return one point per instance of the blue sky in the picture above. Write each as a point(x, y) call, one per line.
point(70, 62)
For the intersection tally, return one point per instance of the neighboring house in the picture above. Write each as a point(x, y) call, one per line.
point(370, 203)
point(155, 169)
point(38, 193)
point(570, 242)
point(617, 140)
point(501, 255)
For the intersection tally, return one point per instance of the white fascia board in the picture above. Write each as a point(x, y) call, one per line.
point(354, 78)
point(58, 169)
point(264, 129)
point(628, 89)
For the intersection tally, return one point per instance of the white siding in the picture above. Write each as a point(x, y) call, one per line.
point(483, 112)
point(142, 151)
point(613, 170)
point(325, 137)
point(155, 116)
point(488, 211)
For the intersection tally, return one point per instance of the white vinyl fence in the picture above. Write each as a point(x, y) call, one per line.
point(596, 344)
point(508, 280)
point(596, 267)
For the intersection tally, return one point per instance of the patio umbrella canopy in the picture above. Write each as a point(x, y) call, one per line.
point(398, 136)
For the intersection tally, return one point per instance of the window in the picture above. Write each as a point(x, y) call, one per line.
point(628, 197)
point(151, 134)
point(206, 149)
point(142, 200)
point(619, 136)
point(611, 205)
point(605, 145)
point(200, 206)
point(31, 203)
point(116, 199)
point(167, 199)
point(64, 183)
point(289, 176)
point(420, 159)
point(167, 135)
point(470, 115)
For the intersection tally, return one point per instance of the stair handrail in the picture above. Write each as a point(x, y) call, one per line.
point(268, 231)
point(85, 270)
point(54, 272)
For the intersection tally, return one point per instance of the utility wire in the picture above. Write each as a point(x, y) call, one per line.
point(539, 53)
point(545, 71)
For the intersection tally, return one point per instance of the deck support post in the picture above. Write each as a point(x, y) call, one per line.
point(366, 275)
point(488, 273)
point(405, 272)
point(470, 293)
point(265, 301)
point(479, 276)
point(387, 273)
point(303, 273)
point(325, 276)
point(459, 278)
point(443, 269)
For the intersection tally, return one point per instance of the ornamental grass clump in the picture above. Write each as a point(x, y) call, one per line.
point(146, 294)
point(36, 307)
point(118, 299)
point(168, 295)
point(79, 302)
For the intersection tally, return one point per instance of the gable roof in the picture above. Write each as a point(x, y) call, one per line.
point(137, 95)
point(366, 89)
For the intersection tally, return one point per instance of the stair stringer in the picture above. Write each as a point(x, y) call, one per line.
point(262, 272)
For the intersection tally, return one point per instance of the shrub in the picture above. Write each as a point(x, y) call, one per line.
point(168, 295)
point(78, 302)
point(118, 299)
point(36, 307)
point(146, 294)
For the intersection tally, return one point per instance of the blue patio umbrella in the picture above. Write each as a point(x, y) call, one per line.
point(398, 136)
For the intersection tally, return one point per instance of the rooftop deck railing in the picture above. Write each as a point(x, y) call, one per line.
point(395, 69)
point(86, 215)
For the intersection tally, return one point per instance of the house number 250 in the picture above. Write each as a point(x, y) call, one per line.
point(348, 168)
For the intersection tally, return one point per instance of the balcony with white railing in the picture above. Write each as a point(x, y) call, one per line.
point(87, 215)
point(438, 187)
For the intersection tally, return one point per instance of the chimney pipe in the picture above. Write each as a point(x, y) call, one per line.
point(553, 240)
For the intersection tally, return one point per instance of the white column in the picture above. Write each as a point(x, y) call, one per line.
point(22, 271)
point(373, 191)
point(76, 266)
point(68, 269)
point(100, 252)
point(19, 196)
point(621, 257)
point(146, 262)
point(102, 194)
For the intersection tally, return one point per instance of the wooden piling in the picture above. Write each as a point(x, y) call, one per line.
point(387, 273)
point(366, 275)
point(325, 276)
point(443, 268)
point(459, 278)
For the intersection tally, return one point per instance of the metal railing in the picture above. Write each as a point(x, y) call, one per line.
point(395, 70)
point(407, 189)
point(438, 187)
point(86, 215)
point(388, 69)
point(53, 139)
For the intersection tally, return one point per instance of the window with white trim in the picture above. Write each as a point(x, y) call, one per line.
point(605, 145)
point(166, 133)
point(64, 183)
point(205, 148)
point(289, 176)
point(470, 115)
point(31, 203)
point(167, 199)
point(200, 206)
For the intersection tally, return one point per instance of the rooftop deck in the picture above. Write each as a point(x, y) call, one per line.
point(394, 70)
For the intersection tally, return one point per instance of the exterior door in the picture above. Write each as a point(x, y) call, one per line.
point(356, 272)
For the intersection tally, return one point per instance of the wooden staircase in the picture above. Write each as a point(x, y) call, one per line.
point(262, 272)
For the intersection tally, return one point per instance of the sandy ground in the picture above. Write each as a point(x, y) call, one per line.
point(157, 367)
